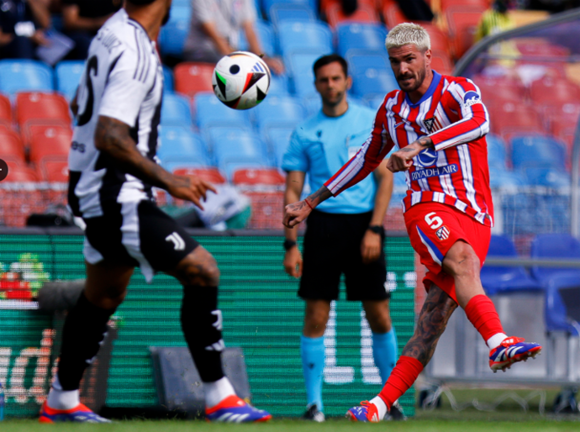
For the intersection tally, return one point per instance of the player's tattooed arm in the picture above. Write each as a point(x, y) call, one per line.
point(296, 212)
point(435, 314)
point(402, 159)
point(112, 137)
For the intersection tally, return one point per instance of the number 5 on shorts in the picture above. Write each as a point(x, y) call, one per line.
point(433, 220)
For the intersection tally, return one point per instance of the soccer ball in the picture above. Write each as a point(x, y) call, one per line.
point(241, 80)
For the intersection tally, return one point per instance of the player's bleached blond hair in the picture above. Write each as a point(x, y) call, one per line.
point(408, 33)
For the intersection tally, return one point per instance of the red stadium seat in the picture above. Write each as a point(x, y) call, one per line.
point(258, 176)
point(441, 62)
point(563, 121)
point(11, 145)
point(554, 91)
point(325, 4)
point(192, 78)
point(40, 128)
point(54, 169)
point(5, 111)
point(463, 22)
point(513, 118)
point(392, 14)
point(499, 89)
point(50, 142)
point(35, 106)
point(364, 13)
point(20, 174)
point(540, 47)
point(439, 39)
point(446, 4)
point(211, 175)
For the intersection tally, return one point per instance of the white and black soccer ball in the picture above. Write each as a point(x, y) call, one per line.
point(241, 80)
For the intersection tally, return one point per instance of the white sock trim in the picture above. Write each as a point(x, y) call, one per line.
point(381, 406)
point(495, 340)
point(217, 391)
point(62, 399)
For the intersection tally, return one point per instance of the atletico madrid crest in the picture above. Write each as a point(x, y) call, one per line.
point(443, 233)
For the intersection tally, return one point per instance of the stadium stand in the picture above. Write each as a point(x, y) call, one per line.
point(372, 73)
point(209, 111)
point(180, 147)
point(554, 246)
point(176, 111)
point(250, 177)
point(359, 36)
point(25, 75)
point(191, 78)
point(363, 14)
point(299, 65)
point(282, 12)
point(300, 35)
point(68, 75)
point(168, 86)
point(265, 34)
point(462, 21)
point(5, 111)
point(33, 108)
point(392, 14)
point(53, 170)
point(537, 152)
point(277, 111)
point(11, 147)
point(173, 34)
point(48, 143)
point(208, 174)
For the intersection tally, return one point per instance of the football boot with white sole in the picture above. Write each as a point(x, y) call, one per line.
point(510, 351)
point(366, 412)
point(78, 414)
point(234, 410)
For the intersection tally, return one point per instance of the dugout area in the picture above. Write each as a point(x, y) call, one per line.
point(261, 313)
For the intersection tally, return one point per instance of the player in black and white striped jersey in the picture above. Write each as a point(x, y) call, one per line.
point(113, 168)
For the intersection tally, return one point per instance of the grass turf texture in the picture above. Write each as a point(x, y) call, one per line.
point(300, 426)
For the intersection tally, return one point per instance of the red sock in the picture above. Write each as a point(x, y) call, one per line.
point(481, 312)
point(402, 378)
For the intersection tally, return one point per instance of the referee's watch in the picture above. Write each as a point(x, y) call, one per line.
point(377, 229)
point(289, 244)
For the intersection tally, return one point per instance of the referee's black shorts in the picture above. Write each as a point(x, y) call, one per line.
point(332, 246)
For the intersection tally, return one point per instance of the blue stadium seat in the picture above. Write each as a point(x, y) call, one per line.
point(497, 279)
point(173, 34)
point(181, 147)
point(175, 111)
point(538, 151)
point(361, 60)
point(167, 79)
point(374, 101)
point(496, 154)
point(299, 65)
point(209, 111)
point(278, 85)
point(267, 4)
point(499, 178)
point(68, 75)
point(266, 36)
point(313, 104)
point(399, 188)
point(554, 246)
point(278, 138)
point(25, 75)
point(181, 3)
point(280, 13)
point(561, 310)
point(360, 36)
point(300, 35)
point(236, 147)
point(547, 177)
point(374, 82)
point(286, 111)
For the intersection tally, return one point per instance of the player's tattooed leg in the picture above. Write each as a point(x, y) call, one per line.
point(432, 321)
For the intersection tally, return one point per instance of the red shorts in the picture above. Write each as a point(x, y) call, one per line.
point(433, 228)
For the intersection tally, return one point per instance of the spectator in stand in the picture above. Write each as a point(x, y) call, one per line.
point(553, 6)
point(495, 20)
point(22, 24)
point(215, 28)
point(83, 18)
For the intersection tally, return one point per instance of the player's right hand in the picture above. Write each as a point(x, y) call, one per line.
point(190, 188)
point(295, 213)
point(293, 262)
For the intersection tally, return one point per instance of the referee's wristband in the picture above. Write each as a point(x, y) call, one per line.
point(377, 229)
point(289, 244)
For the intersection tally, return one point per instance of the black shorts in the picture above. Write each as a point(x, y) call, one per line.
point(332, 246)
point(136, 234)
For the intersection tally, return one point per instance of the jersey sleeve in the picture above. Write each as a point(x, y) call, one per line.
point(126, 87)
point(294, 158)
point(370, 155)
point(464, 98)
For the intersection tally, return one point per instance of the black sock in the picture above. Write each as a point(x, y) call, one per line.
point(83, 331)
point(201, 322)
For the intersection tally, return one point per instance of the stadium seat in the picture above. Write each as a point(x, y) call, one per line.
point(538, 152)
point(496, 152)
point(5, 111)
point(34, 107)
point(266, 36)
point(181, 145)
point(392, 14)
point(191, 78)
point(372, 74)
point(11, 146)
point(497, 279)
point(278, 139)
point(249, 177)
point(54, 169)
point(209, 111)
point(211, 175)
point(499, 89)
point(463, 21)
point(511, 118)
point(175, 111)
point(20, 174)
point(300, 66)
point(441, 62)
point(502, 179)
point(359, 36)
point(168, 85)
point(446, 4)
point(300, 35)
point(282, 111)
point(68, 76)
point(282, 12)
point(363, 14)
point(41, 128)
point(374, 101)
point(173, 34)
point(554, 246)
point(278, 85)
point(268, 4)
point(439, 39)
point(235, 148)
point(554, 92)
point(561, 308)
point(50, 142)
point(25, 75)
point(546, 177)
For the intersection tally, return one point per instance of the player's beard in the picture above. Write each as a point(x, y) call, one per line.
point(334, 101)
point(419, 78)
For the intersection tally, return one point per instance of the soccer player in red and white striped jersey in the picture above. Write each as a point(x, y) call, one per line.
point(439, 124)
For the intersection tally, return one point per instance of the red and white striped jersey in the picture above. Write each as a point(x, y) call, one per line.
point(455, 172)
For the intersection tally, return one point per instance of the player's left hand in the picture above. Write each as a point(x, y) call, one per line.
point(295, 213)
point(370, 248)
point(402, 159)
